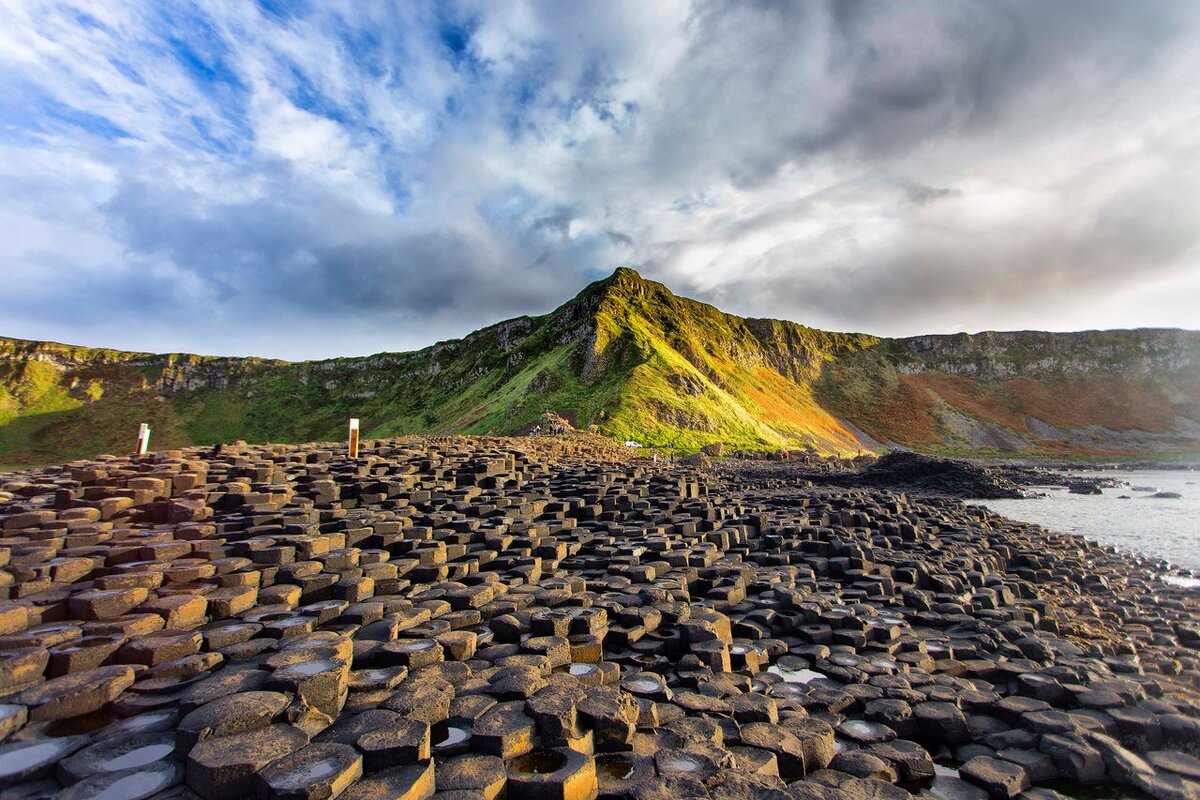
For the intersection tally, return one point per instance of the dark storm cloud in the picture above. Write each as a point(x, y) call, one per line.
point(317, 257)
point(344, 180)
point(873, 80)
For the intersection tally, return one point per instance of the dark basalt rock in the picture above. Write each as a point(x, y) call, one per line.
point(402, 742)
point(415, 782)
point(229, 715)
point(315, 772)
point(475, 773)
point(537, 618)
point(77, 694)
point(944, 477)
point(1003, 780)
point(561, 774)
point(228, 766)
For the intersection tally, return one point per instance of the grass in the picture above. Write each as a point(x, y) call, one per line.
point(627, 356)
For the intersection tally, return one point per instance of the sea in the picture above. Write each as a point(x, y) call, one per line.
point(1125, 516)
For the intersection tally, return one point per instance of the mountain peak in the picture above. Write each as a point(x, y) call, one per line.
point(625, 283)
point(625, 275)
point(626, 279)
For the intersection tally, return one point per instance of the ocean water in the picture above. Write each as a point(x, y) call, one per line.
point(1159, 527)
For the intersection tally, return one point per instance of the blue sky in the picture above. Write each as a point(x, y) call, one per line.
point(303, 179)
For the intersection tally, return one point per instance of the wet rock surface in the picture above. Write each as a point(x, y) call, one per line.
point(477, 618)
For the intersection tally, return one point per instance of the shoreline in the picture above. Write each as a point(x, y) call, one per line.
point(559, 613)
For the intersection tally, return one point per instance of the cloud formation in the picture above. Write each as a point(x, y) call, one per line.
point(313, 179)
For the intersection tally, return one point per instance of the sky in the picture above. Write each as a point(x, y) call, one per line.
point(312, 179)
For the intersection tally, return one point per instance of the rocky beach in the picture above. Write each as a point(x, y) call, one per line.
point(547, 617)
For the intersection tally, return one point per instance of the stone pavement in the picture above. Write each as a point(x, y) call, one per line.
point(472, 618)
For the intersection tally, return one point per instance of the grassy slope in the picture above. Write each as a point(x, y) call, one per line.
point(626, 355)
point(703, 376)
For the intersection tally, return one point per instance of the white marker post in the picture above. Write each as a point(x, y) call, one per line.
point(143, 440)
point(353, 444)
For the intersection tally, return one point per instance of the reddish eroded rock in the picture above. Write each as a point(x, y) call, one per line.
point(421, 698)
point(87, 652)
point(179, 612)
point(504, 730)
point(1002, 780)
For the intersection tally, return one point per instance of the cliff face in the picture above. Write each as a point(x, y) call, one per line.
point(1005, 355)
point(1091, 393)
point(640, 363)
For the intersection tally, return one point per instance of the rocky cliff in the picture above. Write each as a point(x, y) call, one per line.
point(638, 362)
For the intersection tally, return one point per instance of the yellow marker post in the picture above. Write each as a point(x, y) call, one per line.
point(353, 444)
point(143, 440)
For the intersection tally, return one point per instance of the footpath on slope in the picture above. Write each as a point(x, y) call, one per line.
point(543, 617)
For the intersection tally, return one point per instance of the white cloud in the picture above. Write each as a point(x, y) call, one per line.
point(890, 167)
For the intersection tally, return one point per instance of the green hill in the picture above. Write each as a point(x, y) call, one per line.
point(638, 362)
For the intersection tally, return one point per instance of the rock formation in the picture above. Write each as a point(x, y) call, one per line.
point(538, 617)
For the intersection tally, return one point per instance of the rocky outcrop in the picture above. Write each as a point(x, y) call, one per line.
point(561, 618)
point(1012, 354)
point(939, 477)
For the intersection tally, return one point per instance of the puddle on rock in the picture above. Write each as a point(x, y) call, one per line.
point(139, 757)
point(417, 645)
point(22, 758)
point(865, 732)
point(443, 735)
point(613, 767)
point(137, 785)
point(795, 675)
point(143, 723)
point(678, 764)
point(308, 668)
point(539, 762)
